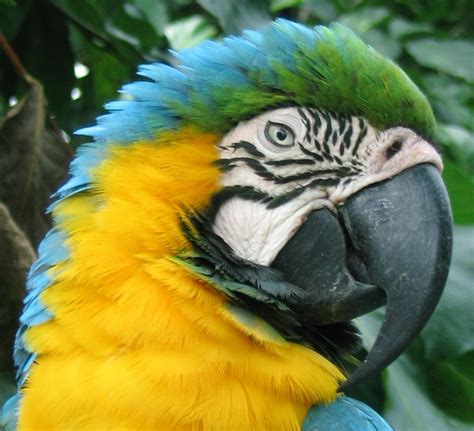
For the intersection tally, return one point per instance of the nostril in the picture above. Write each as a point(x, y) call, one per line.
point(394, 149)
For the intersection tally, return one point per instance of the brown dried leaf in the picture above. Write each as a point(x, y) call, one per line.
point(34, 161)
point(16, 256)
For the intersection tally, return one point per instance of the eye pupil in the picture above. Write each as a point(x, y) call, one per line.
point(281, 134)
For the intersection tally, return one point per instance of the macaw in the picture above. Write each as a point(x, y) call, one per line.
point(230, 217)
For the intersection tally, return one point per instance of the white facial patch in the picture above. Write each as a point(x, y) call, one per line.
point(286, 163)
point(256, 233)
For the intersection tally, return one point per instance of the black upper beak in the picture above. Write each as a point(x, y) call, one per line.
point(392, 243)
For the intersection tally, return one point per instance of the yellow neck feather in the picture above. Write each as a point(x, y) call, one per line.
point(137, 341)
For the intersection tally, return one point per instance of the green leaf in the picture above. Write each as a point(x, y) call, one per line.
point(127, 23)
point(441, 355)
point(454, 57)
point(7, 386)
point(365, 19)
point(387, 46)
point(449, 333)
point(190, 31)
point(400, 28)
point(459, 142)
point(157, 13)
point(452, 99)
point(461, 193)
point(279, 5)
point(12, 17)
point(458, 373)
point(43, 47)
point(235, 16)
point(107, 72)
point(107, 21)
point(325, 10)
point(409, 405)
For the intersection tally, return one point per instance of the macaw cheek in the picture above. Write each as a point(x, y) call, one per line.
point(397, 238)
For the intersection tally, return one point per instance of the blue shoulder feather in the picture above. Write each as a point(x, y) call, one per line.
point(344, 414)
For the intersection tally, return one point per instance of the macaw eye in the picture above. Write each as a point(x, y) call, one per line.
point(279, 134)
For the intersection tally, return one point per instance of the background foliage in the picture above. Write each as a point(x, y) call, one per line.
point(81, 52)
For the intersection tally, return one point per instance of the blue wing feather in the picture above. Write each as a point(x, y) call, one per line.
point(344, 414)
point(52, 251)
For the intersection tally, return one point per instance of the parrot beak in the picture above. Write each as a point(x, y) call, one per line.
point(391, 244)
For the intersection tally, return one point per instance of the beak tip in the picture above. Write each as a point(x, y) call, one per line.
point(414, 278)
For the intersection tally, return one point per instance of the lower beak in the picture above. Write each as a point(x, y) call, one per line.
point(392, 243)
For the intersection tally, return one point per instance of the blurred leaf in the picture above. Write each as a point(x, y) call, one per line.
point(34, 161)
point(235, 16)
point(451, 98)
point(449, 332)
point(441, 12)
point(188, 32)
point(409, 406)
point(461, 193)
point(387, 46)
point(445, 342)
point(323, 9)
point(43, 47)
point(12, 17)
point(454, 57)
point(363, 20)
point(156, 13)
point(458, 373)
point(92, 16)
point(127, 23)
point(460, 144)
point(400, 28)
point(107, 72)
point(7, 386)
point(279, 5)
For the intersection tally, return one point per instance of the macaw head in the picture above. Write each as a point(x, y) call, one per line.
point(329, 201)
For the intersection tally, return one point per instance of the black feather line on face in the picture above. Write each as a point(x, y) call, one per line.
point(248, 193)
point(316, 121)
point(328, 131)
point(249, 148)
point(362, 133)
point(289, 162)
point(306, 123)
point(263, 290)
point(346, 139)
point(226, 165)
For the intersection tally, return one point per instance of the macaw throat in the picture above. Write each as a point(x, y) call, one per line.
point(389, 243)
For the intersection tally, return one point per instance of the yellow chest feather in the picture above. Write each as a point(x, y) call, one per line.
point(138, 342)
